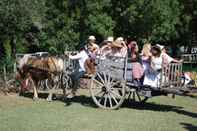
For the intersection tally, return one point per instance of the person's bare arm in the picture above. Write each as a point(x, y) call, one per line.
point(177, 61)
point(75, 57)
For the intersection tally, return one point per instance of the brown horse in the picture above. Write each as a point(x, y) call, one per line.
point(37, 69)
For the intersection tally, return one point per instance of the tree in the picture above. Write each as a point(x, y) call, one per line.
point(154, 20)
point(18, 17)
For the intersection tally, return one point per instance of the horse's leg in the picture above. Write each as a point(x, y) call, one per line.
point(62, 87)
point(49, 98)
point(35, 97)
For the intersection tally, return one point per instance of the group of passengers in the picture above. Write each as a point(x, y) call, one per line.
point(146, 65)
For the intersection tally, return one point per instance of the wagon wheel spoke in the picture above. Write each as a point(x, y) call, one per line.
point(133, 94)
point(105, 101)
point(100, 77)
point(136, 97)
point(101, 97)
point(116, 88)
point(114, 98)
point(98, 93)
point(110, 101)
point(99, 83)
point(110, 81)
point(114, 83)
point(105, 78)
point(116, 94)
point(139, 98)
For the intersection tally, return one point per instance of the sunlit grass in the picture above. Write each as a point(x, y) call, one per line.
point(80, 114)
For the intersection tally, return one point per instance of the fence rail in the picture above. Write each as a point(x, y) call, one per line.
point(189, 58)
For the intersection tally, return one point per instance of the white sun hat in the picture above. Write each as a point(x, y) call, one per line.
point(120, 39)
point(160, 46)
point(91, 37)
point(110, 39)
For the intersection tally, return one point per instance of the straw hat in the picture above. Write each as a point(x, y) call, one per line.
point(119, 39)
point(117, 44)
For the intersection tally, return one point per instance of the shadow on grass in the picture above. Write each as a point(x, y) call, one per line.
point(30, 95)
point(83, 100)
point(87, 101)
point(189, 127)
point(158, 107)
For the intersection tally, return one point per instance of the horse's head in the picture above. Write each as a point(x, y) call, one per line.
point(22, 77)
point(22, 73)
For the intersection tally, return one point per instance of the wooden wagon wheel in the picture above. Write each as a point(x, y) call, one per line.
point(134, 96)
point(105, 91)
point(66, 83)
point(53, 83)
point(43, 84)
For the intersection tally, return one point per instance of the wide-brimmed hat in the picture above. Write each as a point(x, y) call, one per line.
point(160, 46)
point(117, 43)
point(110, 39)
point(91, 37)
point(120, 39)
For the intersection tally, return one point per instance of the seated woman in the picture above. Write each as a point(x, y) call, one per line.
point(152, 76)
point(115, 48)
point(106, 50)
point(137, 69)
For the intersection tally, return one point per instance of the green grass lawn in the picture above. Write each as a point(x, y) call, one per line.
point(80, 114)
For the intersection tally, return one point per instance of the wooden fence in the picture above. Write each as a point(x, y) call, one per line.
point(189, 58)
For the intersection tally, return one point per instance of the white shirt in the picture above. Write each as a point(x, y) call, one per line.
point(156, 63)
point(167, 59)
point(82, 56)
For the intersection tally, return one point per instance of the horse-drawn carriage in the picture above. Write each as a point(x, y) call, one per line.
point(112, 83)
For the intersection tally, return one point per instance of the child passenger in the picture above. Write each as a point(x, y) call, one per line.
point(145, 56)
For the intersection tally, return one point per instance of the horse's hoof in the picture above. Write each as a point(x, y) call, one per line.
point(63, 98)
point(49, 99)
point(35, 98)
point(69, 96)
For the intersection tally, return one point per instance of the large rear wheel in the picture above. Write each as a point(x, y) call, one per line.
point(105, 91)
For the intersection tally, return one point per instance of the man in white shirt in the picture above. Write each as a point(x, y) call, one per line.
point(82, 56)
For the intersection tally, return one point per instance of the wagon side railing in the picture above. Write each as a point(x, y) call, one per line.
point(171, 76)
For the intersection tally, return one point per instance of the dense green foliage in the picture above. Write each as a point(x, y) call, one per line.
point(41, 25)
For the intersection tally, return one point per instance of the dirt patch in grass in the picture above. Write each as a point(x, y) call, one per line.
point(13, 100)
